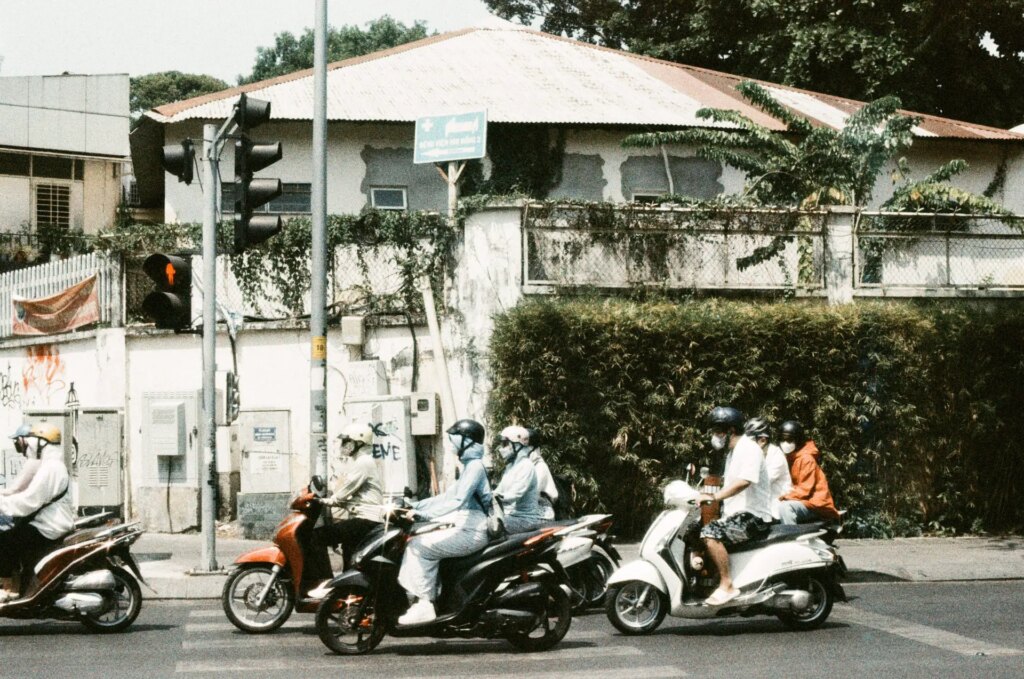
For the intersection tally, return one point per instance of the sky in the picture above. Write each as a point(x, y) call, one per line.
point(45, 37)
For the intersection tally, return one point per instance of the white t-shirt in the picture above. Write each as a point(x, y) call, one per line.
point(746, 461)
point(778, 476)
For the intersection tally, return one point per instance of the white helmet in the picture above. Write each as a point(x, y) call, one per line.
point(359, 433)
point(512, 440)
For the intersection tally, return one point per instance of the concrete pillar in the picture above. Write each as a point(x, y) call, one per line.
point(839, 246)
point(487, 280)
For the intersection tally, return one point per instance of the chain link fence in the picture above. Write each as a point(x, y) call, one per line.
point(570, 246)
point(901, 250)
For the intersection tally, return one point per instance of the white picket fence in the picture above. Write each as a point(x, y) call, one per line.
point(44, 280)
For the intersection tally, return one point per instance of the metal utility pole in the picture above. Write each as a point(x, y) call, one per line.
point(318, 264)
point(209, 463)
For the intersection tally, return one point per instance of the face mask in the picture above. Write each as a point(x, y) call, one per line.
point(762, 442)
point(718, 441)
point(348, 448)
point(788, 447)
point(19, 446)
point(507, 452)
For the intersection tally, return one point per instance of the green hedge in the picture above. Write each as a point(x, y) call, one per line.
point(917, 408)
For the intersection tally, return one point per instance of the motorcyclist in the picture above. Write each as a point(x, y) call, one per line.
point(745, 512)
point(47, 500)
point(518, 489)
point(357, 499)
point(545, 481)
point(778, 469)
point(810, 499)
point(24, 447)
point(465, 505)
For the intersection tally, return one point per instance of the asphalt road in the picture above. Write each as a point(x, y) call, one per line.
point(969, 629)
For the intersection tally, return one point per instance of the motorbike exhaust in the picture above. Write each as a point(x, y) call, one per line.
point(80, 602)
point(790, 600)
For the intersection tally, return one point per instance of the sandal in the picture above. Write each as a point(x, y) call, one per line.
point(720, 597)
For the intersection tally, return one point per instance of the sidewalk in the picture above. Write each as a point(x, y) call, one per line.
point(167, 561)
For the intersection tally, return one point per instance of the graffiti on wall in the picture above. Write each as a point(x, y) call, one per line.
point(43, 378)
point(10, 390)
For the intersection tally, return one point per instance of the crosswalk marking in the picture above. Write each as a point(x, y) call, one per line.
point(931, 636)
point(321, 661)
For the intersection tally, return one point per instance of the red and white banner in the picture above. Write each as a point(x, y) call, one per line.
point(68, 309)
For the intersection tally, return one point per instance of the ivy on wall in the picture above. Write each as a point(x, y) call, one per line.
point(416, 244)
point(525, 160)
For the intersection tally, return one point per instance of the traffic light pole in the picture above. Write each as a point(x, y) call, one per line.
point(209, 463)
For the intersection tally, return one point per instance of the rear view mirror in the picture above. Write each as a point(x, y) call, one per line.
point(318, 486)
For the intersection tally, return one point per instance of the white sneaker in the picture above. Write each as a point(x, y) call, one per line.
point(420, 612)
point(320, 591)
point(7, 595)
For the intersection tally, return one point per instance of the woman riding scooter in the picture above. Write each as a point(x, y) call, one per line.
point(46, 502)
point(464, 506)
point(518, 489)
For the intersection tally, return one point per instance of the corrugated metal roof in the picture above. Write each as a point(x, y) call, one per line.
point(524, 76)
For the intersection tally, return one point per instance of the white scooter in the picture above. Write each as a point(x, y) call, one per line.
point(792, 573)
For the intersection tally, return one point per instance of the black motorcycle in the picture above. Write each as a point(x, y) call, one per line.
point(512, 589)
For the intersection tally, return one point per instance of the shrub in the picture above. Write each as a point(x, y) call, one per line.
point(913, 406)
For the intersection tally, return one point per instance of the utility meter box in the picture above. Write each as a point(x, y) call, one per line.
point(265, 451)
point(393, 447)
point(168, 429)
point(424, 415)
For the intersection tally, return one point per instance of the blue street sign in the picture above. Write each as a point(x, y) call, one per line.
point(457, 136)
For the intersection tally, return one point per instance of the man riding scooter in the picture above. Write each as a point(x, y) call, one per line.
point(44, 507)
point(357, 492)
point(746, 510)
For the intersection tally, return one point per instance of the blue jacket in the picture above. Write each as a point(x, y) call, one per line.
point(472, 491)
point(519, 490)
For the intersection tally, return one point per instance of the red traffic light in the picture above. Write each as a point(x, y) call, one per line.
point(170, 305)
point(170, 273)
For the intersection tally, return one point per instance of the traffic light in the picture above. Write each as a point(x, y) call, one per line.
point(251, 157)
point(170, 305)
point(178, 159)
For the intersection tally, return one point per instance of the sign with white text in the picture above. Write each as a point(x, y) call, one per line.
point(459, 136)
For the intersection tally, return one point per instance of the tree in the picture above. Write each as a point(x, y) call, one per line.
point(290, 54)
point(155, 89)
point(959, 60)
point(813, 166)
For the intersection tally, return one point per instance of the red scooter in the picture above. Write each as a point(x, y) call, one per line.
point(91, 577)
point(267, 584)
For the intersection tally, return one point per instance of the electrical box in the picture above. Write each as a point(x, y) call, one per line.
point(353, 330)
point(364, 379)
point(99, 459)
point(265, 451)
point(393, 447)
point(424, 415)
point(168, 429)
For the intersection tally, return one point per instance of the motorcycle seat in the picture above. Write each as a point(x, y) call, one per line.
point(778, 533)
point(504, 546)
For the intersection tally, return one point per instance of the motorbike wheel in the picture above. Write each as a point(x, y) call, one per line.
point(552, 623)
point(599, 568)
point(127, 603)
point(815, 615)
point(347, 622)
point(635, 607)
point(243, 590)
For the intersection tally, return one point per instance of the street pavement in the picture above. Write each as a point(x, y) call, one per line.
point(170, 563)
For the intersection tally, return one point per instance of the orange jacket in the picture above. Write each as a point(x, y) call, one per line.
point(809, 484)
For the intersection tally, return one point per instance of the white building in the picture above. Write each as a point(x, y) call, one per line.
point(590, 96)
point(63, 140)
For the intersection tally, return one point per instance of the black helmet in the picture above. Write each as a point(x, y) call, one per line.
point(725, 417)
point(757, 427)
point(794, 429)
point(535, 437)
point(469, 429)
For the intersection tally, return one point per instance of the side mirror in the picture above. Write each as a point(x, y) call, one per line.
point(691, 469)
point(318, 486)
